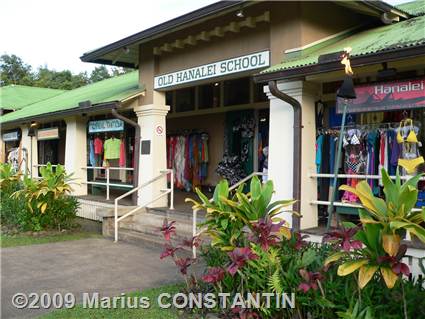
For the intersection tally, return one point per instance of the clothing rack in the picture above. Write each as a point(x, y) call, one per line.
point(186, 132)
point(388, 125)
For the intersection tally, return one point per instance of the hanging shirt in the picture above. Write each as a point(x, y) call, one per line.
point(92, 159)
point(123, 159)
point(319, 144)
point(112, 148)
point(98, 146)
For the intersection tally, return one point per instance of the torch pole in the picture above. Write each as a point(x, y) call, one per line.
point(336, 166)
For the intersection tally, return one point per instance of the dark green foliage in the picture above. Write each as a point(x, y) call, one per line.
point(34, 205)
point(13, 70)
point(288, 264)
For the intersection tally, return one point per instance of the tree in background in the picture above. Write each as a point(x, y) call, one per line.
point(99, 73)
point(14, 71)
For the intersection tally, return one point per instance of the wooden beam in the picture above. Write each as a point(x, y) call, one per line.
point(190, 40)
point(218, 32)
point(250, 22)
point(178, 44)
point(204, 36)
point(166, 47)
point(233, 27)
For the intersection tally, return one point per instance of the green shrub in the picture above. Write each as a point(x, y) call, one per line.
point(37, 204)
point(252, 251)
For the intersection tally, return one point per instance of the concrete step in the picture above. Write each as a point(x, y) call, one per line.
point(178, 216)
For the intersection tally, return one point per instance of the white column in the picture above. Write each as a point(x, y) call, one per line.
point(281, 148)
point(3, 158)
point(26, 142)
point(76, 153)
point(151, 119)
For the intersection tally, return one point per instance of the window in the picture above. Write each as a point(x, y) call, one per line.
point(185, 100)
point(209, 96)
point(259, 95)
point(236, 92)
point(169, 100)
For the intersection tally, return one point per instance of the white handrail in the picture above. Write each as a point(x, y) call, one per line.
point(357, 176)
point(195, 211)
point(108, 184)
point(345, 204)
point(164, 193)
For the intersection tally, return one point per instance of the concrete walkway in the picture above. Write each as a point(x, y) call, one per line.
point(89, 265)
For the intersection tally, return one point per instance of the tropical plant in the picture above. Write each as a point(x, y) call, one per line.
point(229, 215)
point(395, 214)
point(384, 223)
point(47, 200)
point(355, 312)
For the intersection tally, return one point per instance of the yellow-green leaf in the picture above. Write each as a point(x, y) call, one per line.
point(389, 276)
point(365, 218)
point(334, 257)
point(351, 266)
point(43, 207)
point(365, 275)
point(285, 232)
point(391, 244)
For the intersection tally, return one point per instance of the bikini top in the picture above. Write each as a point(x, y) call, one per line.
point(411, 137)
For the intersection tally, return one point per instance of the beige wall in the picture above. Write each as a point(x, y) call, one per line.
point(212, 124)
point(320, 20)
point(292, 25)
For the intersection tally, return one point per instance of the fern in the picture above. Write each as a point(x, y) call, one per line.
point(274, 282)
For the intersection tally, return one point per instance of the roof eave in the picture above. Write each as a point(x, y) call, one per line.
point(95, 55)
point(356, 61)
point(67, 112)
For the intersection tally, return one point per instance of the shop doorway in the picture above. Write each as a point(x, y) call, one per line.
point(110, 158)
point(51, 141)
point(203, 149)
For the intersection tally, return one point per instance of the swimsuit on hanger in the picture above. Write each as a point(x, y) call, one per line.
point(413, 159)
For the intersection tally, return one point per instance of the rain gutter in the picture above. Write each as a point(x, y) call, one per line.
point(296, 186)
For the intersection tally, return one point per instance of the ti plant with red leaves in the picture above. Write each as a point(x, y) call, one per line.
point(343, 238)
point(383, 224)
point(168, 230)
point(311, 280)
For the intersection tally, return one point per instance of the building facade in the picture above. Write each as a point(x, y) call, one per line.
point(207, 106)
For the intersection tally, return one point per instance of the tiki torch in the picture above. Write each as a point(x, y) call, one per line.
point(345, 92)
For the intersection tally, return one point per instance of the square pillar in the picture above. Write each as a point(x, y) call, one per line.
point(3, 158)
point(281, 148)
point(76, 153)
point(29, 149)
point(153, 152)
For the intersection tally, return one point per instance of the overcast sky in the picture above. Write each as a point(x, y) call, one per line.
point(57, 32)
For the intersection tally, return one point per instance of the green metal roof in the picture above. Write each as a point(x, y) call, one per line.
point(110, 90)
point(413, 7)
point(15, 97)
point(408, 33)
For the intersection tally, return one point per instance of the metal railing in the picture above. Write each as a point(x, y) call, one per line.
point(108, 184)
point(354, 176)
point(231, 188)
point(164, 192)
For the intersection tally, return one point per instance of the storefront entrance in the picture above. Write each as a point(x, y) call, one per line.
point(51, 140)
point(110, 157)
point(384, 131)
point(215, 131)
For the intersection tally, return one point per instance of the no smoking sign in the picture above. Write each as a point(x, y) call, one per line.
point(159, 130)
